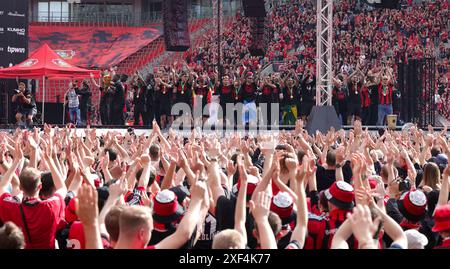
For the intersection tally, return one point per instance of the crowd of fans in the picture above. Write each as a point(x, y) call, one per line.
point(288, 190)
point(368, 44)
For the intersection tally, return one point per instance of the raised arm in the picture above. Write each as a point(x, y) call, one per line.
point(189, 221)
point(260, 209)
point(240, 214)
point(58, 179)
point(301, 227)
point(87, 210)
point(8, 176)
point(116, 192)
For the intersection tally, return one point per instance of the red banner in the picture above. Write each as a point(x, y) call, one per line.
point(93, 47)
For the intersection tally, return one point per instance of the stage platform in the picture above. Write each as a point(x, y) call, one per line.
point(142, 130)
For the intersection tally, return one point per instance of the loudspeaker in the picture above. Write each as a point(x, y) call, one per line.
point(258, 44)
point(176, 31)
point(254, 8)
point(56, 115)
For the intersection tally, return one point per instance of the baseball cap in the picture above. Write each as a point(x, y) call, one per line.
point(416, 240)
point(341, 194)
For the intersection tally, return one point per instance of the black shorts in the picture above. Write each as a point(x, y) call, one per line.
point(27, 111)
point(354, 110)
point(306, 108)
point(165, 109)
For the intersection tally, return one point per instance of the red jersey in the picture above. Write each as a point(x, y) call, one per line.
point(321, 230)
point(365, 98)
point(384, 98)
point(42, 217)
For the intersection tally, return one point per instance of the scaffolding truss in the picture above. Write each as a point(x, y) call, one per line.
point(324, 68)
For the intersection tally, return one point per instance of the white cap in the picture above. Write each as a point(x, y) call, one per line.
point(416, 240)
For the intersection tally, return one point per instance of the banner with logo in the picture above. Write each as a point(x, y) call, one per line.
point(13, 32)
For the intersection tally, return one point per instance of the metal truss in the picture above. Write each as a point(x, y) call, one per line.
point(324, 68)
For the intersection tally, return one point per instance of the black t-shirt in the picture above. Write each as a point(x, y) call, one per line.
point(225, 209)
point(290, 96)
point(308, 91)
point(85, 93)
point(209, 231)
point(164, 95)
point(140, 96)
point(158, 236)
point(27, 93)
point(184, 92)
point(373, 93)
point(354, 93)
point(326, 178)
point(118, 100)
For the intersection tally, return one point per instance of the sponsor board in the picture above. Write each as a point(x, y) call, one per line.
point(16, 14)
point(19, 31)
point(16, 50)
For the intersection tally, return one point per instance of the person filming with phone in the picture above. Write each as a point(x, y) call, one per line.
point(26, 105)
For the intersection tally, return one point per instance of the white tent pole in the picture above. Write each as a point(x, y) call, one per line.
point(43, 99)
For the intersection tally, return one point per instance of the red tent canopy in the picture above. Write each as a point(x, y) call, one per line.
point(44, 62)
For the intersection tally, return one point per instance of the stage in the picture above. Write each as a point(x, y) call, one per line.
point(142, 130)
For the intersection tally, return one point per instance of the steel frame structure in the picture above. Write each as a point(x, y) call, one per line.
point(324, 53)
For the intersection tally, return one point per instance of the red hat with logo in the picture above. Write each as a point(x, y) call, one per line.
point(413, 205)
point(341, 194)
point(166, 209)
point(442, 219)
point(283, 205)
point(252, 182)
point(70, 211)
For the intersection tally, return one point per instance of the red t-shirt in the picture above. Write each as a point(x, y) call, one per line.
point(42, 216)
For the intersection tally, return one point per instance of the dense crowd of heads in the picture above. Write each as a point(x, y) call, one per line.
point(68, 188)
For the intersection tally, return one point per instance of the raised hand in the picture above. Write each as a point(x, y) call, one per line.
point(118, 188)
point(231, 168)
point(260, 208)
point(86, 205)
point(17, 153)
point(362, 226)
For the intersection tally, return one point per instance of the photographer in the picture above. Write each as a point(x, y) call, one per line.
point(26, 105)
